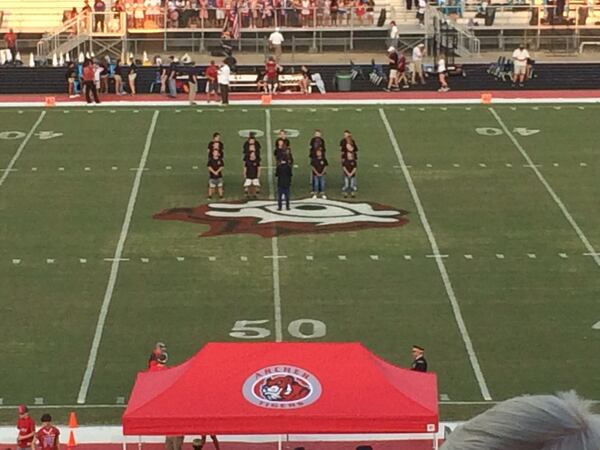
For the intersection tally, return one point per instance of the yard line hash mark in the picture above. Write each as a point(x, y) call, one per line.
point(17, 154)
point(114, 270)
point(439, 262)
point(545, 183)
point(274, 239)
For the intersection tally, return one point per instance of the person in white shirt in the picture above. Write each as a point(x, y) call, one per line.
point(394, 34)
point(417, 61)
point(520, 58)
point(223, 76)
point(442, 71)
point(275, 41)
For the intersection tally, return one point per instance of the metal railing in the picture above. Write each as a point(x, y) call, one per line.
point(467, 42)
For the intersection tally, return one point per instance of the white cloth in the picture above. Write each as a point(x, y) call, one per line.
point(520, 57)
point(417, 54)
point(441, 65)
point(276, 38)
point(224, 74)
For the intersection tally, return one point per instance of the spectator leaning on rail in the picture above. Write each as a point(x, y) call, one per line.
point(520, 58)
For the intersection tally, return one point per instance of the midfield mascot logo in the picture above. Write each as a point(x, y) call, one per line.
point(262, 217)
point(281, 386)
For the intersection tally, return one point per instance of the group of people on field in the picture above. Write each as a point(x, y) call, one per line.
point(284, 163)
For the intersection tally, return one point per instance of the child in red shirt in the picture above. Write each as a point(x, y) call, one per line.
point(26, 427)
point(48, 435)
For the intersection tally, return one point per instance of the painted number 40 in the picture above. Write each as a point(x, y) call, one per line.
point(300, 328)
point(489, 131)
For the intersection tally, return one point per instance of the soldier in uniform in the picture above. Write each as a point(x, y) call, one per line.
point(419, 363)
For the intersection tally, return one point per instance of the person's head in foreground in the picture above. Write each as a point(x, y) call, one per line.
point(538, 422)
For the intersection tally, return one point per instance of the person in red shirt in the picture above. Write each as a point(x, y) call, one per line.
point(271, 75)
point(211, 73)
point(26, 427)
point(48, 435)
point(10, 39)
point(89, 83)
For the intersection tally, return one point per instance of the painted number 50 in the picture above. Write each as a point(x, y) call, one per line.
point(300, 328)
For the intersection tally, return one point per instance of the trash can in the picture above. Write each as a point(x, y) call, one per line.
point(344, 81)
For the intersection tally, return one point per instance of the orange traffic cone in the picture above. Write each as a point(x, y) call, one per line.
point(71, 442)
point(73, 420)
point(486, 97)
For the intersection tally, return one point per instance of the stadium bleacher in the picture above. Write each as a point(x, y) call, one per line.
point(34, 16)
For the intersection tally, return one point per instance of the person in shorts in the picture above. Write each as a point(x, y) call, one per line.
point(26, 427)
point(520, 57)
point(442, 71)
point(251, 175)
point(215, 174)
point(393, 72)
point(212, 85)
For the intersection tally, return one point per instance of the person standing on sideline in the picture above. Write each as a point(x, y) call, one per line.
point(212, 86)
point(402, 70)
point(520, 57)
point(349, 167)
point(89, 83)
point(172, 78)
point(71, 75)
point(422, 7)
point(215, 174)
point(319, 168)
point(284, 182)
point(417, 61)
point(48, 436)
point(393, 73)
point(26, 427)
point(394, 34)
point(419, 363)
point(193, 86)
point(275, 41)
point(442, 71)
point(223, 76)
point(10, 39)
point(99, 10)
point(131, 77)
point(118, 77)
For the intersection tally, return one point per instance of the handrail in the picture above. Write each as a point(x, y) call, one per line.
point(467, 41)
point(76, 25)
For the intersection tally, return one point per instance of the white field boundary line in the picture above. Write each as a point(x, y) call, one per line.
point(274, 239)
point(312, 102)
point(114, 269)
point(17, 154)
point(590, 248)
point(485, 393)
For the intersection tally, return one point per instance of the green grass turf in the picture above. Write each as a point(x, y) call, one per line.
point(530, 319)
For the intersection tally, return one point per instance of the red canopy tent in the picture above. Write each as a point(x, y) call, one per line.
point(282, 388)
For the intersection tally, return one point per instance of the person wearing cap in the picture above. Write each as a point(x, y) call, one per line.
point(417, 61)
point(393, 73)
point(158, 350)
point(419, 363)
point(48, 435)
point(26, 427)
point(275, 41)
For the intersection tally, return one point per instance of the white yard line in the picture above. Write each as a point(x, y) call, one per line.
point(590, 248)
point(114, 270)
point(485, 393)
point(274, 240)
point(17, 154)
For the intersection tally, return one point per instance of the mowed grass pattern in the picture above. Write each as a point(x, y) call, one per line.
point(527, 292)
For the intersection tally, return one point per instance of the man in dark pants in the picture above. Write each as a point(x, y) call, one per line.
point(223, 76)
point(284, 181)
point(88, 82)
point(419, 363)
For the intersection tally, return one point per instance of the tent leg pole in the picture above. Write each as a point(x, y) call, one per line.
point(435, 442)
point(139, 443)
point(279, 446)
point(124, 445)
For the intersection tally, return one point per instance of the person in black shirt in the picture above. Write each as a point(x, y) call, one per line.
point(251, 149)
point(172, 78)
point(118, 77)
point(419, 363)
point(282, 137)
point(393, 74)
point(215, 174)
point(347, 139)
point(251, 175)
point(316, 142)
point(216, 144)
point(284, 182)
point(349, 149)
point(249, 142)
point(319, 168)
point(282, 151)
point(349, 167)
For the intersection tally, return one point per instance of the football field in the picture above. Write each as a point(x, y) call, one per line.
point(496, 271)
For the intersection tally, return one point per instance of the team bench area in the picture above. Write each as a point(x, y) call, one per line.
point(251, 81)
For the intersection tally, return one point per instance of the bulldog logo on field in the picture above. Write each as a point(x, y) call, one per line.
point(262, 217)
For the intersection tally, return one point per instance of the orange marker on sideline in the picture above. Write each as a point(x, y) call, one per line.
point(50, 101)
point(71, 442)
point(486, 97)
point(73, 420)
point(265, 99)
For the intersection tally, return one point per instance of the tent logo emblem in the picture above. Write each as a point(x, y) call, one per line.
point(306, 215)
point(282, 387)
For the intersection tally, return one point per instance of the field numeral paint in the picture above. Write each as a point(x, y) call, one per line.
point(42, 135)
point(490, 131)
point(300, 329)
